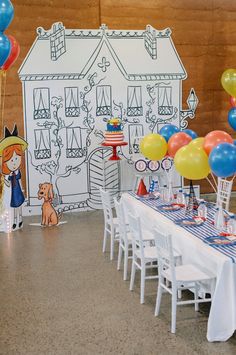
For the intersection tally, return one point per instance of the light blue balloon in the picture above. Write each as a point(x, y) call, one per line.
point(6, 14)
point(5, 48)
point(191, 133)
point(222, 160)
point(168, 130)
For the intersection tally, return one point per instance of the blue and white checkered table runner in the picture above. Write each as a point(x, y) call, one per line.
point(207, 229)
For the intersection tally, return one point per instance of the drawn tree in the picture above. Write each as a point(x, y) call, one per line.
point(54, 167)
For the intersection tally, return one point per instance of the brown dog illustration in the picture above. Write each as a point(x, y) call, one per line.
point(49, 214)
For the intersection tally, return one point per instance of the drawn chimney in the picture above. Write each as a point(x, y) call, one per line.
point(57, 41)
point(150, 41)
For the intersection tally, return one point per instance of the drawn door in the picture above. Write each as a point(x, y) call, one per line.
point(102, 173)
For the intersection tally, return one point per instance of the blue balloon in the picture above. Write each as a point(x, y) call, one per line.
point(6, 14)
point(235, 142)
point(5, 48)
point(222, 160)
point(190, 133)
point(168, 130)
point(232, 117)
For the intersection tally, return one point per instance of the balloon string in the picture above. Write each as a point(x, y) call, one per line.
point(4, 74)
point(211, 184)
point(213, 177)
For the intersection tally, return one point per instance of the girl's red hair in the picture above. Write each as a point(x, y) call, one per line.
point(7, 155)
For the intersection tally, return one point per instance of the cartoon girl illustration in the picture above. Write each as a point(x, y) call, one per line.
point(12, 149)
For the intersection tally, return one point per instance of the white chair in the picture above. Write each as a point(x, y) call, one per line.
point(125, 241)
point(110, 223)
point(180, 277)
point(223, 193)
point(143, 256)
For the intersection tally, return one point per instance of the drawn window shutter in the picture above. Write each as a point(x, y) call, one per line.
point(134, 105)
point(72, 102)
point(41, 99)
point(74, 147)
point(165, 100)
point(103, 100)
point(42, 144)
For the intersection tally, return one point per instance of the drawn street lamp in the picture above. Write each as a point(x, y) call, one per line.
point(192, 102)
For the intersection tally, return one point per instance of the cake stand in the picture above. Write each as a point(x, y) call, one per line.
point(114, 146)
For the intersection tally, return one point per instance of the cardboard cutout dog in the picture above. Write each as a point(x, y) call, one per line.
point(49, 215)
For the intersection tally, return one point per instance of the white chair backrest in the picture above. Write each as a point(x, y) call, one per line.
point(107, 207)
point(163, 243)
point(121, 220)
point(224, 192)
point(136, 233)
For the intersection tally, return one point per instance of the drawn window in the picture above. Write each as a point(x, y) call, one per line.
point(74, 145)
point(42, 144)
point(41, 103)
point(165, 100)
point(103, 100)
point(134, 106)
point(72, 102)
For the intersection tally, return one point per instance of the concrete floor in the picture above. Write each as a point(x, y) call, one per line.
point(61, 295)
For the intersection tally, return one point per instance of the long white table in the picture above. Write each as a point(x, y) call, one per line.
point(222, 317)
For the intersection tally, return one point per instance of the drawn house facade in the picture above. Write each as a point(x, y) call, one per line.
point(73, 81)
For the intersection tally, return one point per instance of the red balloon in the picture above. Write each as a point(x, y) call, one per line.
point(14, 54)
point(177, 141)
point(214, 138)
point(233, 101)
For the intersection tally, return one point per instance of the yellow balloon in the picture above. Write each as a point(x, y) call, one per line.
point(197, 143)
point(228, 81)
point(153, 146)
point(192, 163)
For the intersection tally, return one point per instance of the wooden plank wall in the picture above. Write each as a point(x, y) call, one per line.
point(204, 33)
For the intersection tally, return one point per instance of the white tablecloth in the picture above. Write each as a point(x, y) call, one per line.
point(222, 317)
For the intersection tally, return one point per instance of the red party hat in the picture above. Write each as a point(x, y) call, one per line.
point(141, 189)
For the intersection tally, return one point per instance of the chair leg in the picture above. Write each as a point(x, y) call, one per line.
point(119, 256)
point(104, 241)
point(143, 274)
point(196, 298)
point(158, 299)
point(212, 287)
point(112, 245)
point(131, 287)
point(126, 263)
point(173, 311)
point(135, 184)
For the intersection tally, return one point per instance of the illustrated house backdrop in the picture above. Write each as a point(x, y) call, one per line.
point(75, 80)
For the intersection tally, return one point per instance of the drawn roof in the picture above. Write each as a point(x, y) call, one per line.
point(83, 47)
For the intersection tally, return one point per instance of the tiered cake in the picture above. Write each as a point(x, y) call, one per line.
point(114, 133)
